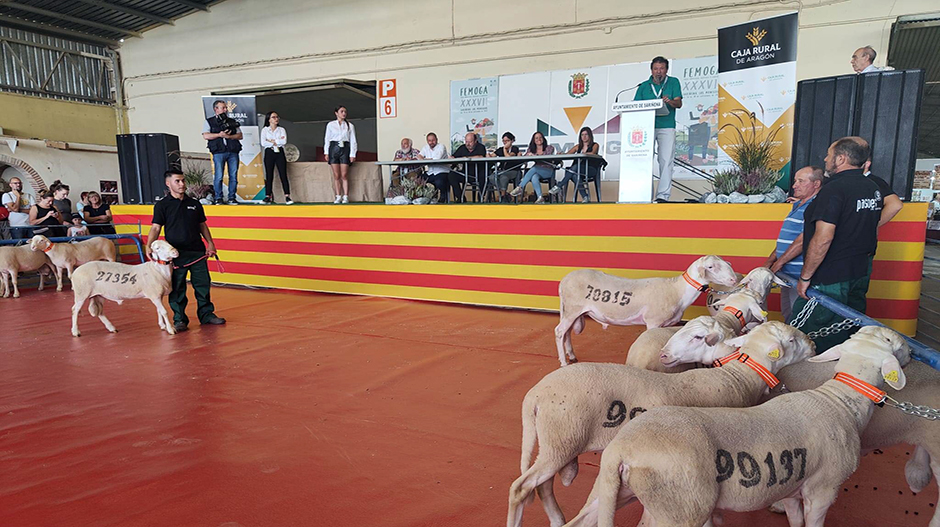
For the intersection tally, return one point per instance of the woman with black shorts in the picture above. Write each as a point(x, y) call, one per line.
point(273, 139)
point(340, 145)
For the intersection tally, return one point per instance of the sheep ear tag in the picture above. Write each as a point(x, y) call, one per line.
point(774, 354)
point(891, 376)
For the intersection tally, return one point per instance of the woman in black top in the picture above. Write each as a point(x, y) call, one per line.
point(44, 218)
point(97, 213)
point(509, 171)
point(579, 170)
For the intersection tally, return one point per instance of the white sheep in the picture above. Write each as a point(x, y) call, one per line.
point(608, 299)
point(889, 427)
point(68, 256)
point(579, 408)
point(119, 282)
point(703, 335)
point(19, 259)
point(759, 281)
point(684, 463)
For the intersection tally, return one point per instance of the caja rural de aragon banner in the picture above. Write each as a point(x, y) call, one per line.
point(757, 74)
point(474, 105)
point(250, 169)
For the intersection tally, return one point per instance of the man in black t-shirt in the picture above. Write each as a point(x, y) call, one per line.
point(840, 233)
point(475, 171)
point(184, 222)
point(892, 203)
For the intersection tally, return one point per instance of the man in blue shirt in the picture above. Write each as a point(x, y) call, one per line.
point(788, 255)
point(662, 86)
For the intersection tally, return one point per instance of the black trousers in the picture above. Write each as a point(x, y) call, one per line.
point(200, 280)
point(274, 160)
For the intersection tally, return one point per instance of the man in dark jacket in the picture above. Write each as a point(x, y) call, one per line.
point(224, 147)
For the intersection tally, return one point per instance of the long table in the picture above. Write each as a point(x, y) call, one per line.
point(579, 162)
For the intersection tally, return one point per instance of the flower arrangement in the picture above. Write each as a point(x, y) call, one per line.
point(752, 156)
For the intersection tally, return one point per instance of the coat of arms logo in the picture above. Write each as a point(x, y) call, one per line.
point(637, 137)
point(579, 85)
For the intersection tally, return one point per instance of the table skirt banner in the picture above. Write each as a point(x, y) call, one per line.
point(514, 256)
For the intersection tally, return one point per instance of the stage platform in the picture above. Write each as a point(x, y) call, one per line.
point(306, 409)
point(514, 255)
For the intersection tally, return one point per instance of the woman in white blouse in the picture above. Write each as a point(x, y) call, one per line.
point(340, 150)
point(273, 139)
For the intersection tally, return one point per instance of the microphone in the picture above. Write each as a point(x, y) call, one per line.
point(616, 99)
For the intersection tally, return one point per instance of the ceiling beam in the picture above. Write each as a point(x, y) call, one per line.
point(129, 11)
point(77, 35)
point(68, 18)
point(193, 5)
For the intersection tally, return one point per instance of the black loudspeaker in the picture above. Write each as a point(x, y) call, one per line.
point(883, 108)
point(144, 159)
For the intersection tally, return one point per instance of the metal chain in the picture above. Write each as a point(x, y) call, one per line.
point(918, 411)
point(799, 320)
point(804, 315)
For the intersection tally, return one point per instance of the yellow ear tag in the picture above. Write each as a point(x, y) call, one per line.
point(764, 313)
point(891, 376)
point(775, 354)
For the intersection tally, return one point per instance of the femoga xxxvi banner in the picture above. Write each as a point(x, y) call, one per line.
point(757, 77)
point(250, 168)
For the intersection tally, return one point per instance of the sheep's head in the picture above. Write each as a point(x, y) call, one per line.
point(698, 341)
point(163, 251)
point(775, 345)
point(759, 281)
point(713, 269)
point(871, 348)
point(39, 243)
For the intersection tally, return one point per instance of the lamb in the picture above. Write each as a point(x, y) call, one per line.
point(118, 282)
point(14, 260)
point(655, 302)
point(715, 458)
point(891, 427)
point(68, 256)
point(579, 408)
point(758, 281)
point(706, 333)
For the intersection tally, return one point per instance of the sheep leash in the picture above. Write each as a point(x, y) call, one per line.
point(201, 258)
point(909, 408)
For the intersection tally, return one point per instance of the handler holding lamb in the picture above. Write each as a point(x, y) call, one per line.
point(185, 222)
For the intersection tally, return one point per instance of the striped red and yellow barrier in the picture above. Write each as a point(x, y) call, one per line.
point(514, 256)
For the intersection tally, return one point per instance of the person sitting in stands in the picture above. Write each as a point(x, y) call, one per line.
point(82, 204)
point(472, 147)
point(44, 218)
point(77, 229)
point(542, 170)
point(98, 215)
point(509, 171)
point(437, 174)
point(580, 171)
point(407, 153)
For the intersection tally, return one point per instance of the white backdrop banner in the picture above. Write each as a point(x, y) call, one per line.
point(474, 107)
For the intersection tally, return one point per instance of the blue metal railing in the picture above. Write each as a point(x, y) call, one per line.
point(920, 351)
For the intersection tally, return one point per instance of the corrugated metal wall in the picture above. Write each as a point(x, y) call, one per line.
point(44, 66)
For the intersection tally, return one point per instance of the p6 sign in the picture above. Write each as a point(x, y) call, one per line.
point(388, 99)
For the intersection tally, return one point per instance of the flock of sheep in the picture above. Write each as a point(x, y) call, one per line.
point(770, 425)
point(90, 266)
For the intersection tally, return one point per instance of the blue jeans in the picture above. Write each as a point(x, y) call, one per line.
point(538, 173)
point(572, 174)
point(220, 161)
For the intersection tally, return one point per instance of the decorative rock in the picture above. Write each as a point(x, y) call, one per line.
point(737, 197)
point(755, 198)
point(397, 200)
point(711, 197)
point(421, 201)
point(721, 198)
point(777, 195)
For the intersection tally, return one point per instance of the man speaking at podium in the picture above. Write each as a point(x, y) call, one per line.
point(662, 86)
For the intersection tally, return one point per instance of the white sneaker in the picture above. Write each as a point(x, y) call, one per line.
point(541, 199)
point(345, 199)
point(289, 202)
point(516, 192)
point(338, 200)
point(555, 190)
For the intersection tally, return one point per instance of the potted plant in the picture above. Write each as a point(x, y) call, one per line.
point(751, 178)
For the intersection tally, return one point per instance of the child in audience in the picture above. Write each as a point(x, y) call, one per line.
point(77, 229)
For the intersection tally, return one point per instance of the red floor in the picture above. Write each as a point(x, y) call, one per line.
point(306, 409)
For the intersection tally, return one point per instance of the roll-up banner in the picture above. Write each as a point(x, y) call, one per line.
point(757, 77)
point(474, 107)
point(242, 108)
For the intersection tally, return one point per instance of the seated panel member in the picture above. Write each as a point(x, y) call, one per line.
point(407, 153)
point(541, 170)
point(472, 147)
point(510, 171)
point(581, 171)
point(436, 174)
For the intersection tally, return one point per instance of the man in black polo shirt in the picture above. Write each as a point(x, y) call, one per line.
point(892, 203)
point(840, 234)
point(185, 223)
